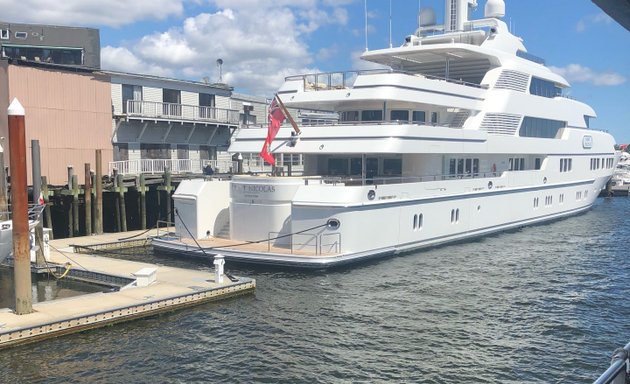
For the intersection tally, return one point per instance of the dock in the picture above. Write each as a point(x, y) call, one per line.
point(139, 290)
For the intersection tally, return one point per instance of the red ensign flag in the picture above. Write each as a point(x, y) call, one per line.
point(275, 119)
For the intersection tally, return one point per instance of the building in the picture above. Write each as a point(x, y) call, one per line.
point(51, 44)
point(158, 118)
point(68, 109)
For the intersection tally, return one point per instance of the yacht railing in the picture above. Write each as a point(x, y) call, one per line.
point(326, 81)
point(617, 373)
point(383, 180)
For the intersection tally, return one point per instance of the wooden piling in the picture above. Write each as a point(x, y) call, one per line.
point(68, 192)
point(46, 196)
point(116, 204)
point(88, 199)
point(19, 202)
point(167, 188)
point(4, 207)
point(37, 189)
point(98, 217)
point(75, 204)
point(142, 189)
point(121, 200)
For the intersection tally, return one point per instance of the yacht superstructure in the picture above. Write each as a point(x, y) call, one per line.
point(463, 133)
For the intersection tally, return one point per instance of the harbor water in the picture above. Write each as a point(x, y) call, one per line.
point(542, 304)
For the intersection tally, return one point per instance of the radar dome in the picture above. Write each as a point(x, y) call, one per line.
point(495, 8)
point(426, 17)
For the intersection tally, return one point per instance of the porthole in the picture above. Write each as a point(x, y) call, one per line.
point(371, 194)
point(545, 180)
point(333, 224)
point(490, 184)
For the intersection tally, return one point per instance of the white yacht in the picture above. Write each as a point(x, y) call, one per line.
point(463, 134)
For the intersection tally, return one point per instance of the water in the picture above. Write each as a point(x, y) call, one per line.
point(43, 288)
point(545, 304)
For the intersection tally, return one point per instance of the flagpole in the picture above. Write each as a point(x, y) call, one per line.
point(288, 115)
point(390, 24)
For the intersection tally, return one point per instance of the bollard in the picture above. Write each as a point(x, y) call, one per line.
point(219, 262)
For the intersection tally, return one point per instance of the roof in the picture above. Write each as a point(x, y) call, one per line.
point(168, 79)
point(617, 9)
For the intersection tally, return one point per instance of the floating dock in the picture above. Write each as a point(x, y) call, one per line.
point(140, 290)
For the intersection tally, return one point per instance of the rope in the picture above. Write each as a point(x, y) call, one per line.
point(67, 265)
point(150, 229)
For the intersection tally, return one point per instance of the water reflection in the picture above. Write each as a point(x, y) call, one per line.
point(44, 288)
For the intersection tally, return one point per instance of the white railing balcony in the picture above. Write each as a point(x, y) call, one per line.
point(181, 112)
point(183, 166)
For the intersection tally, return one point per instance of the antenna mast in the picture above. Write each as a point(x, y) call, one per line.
point(220, 65)
point(390, 24)
point(366, 27)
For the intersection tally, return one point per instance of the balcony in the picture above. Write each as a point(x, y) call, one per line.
point(140, 109)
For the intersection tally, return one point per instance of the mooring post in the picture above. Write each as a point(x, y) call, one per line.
point(98, 216)
point(4, 208)
point(37, 189)
point(75, 203)
point(68, 192)
point(19, 202)
point(167, 187)
point(116, 202)
point(143, 202)
point(93, 196)
point(47, 214)
point(87, 196)
point(121, 189)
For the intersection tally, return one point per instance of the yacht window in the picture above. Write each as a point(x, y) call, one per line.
point(355, 166)
point(537, 163)
point(452, 167)
point(460, 166)
point(419, 117)
point(392, 167)
point(511, 166)
point(337, 167)
point(468, 169)
point(350, 116)
point(587, 120)
point(475, 167)
point(399, 115)
point(434, 117)
point(545, 128)
point(372, 115)
point(544, 88)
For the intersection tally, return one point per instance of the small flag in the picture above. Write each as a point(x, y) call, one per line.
point(275, 119)
point(40, 200)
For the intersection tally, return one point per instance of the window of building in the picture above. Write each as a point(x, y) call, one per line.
point(133, 93)
point(399, 115)
point(21, 35)
point(545, 88)
point(172, 99)
point(4, 34)
point(419, 117)
point(372, 115)
point(545, 128)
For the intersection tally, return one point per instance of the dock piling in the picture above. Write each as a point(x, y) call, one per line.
point(98, 199)
point(142, 189)
point(4, 208)
point(75, 204)
point(88, 199)
point(19, 202)
point(121, 189)
point(37, 188)
point(47, 214)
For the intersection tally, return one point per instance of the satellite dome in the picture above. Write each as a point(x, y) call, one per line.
point(495, 8)
point(426, 17)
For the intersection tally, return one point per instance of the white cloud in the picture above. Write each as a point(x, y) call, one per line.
point(257, 50)
point(359, 64)
point(112, 13)
point(580, 74)
point(123, 60)
point(589, 20)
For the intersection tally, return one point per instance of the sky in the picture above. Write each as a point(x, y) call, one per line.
point(262, 41)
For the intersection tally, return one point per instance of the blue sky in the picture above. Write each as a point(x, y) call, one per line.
point(261, 42)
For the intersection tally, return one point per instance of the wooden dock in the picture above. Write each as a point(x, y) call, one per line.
point(173, 288)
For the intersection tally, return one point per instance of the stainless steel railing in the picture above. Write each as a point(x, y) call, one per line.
point(617, 373)
point(152, 109)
